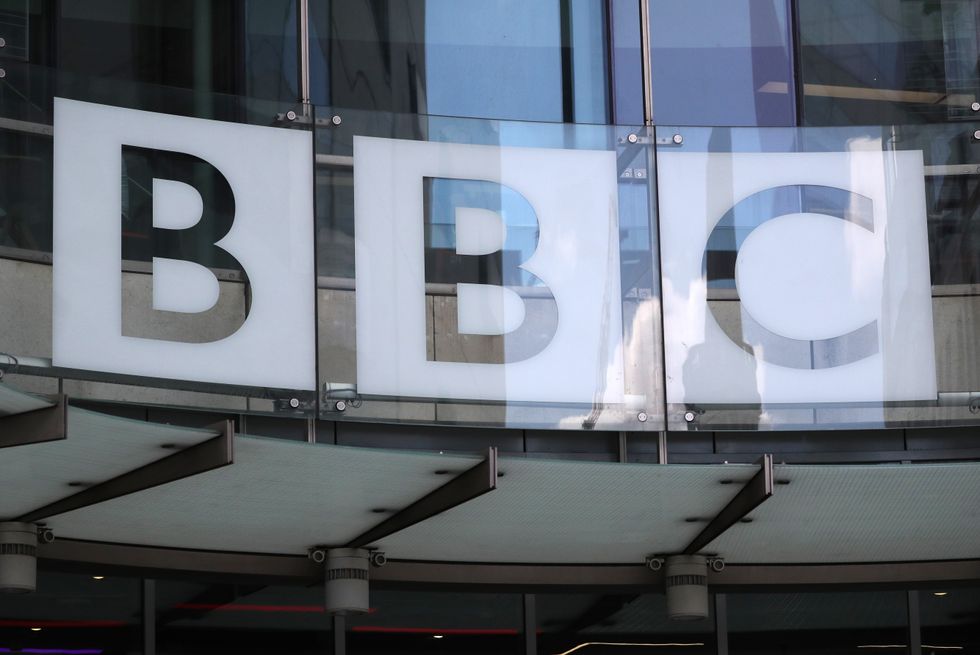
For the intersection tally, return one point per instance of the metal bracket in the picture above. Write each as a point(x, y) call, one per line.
point(466, 486)
point(199, 458)
point(36, 426)
point(753, 494)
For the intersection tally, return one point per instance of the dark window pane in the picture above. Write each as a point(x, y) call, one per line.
point(950, 621)
point(245, 48)
point(721, 63)
point(211, 619)
point(882, 62)
point(600, 624)
point(73, 613)
point(431, 622)
point(825, 623)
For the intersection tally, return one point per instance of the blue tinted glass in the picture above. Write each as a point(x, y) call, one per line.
point(508, 59)
point(627, 62)
point(719, 62)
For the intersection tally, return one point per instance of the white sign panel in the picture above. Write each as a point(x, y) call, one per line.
point(250, 186)
point(541, 223)
point(818, 267)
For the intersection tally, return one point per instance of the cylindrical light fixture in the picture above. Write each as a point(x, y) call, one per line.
point(347, 580)
point(18, 557)
point(687, 587)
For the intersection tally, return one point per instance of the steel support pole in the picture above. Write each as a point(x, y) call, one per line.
point(530, 625)
point(721, 623)
point(915, 623)
point(339, 634)
point(149, 615)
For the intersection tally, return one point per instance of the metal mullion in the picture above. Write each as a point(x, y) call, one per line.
point(339, 634)
point(721, 623)
point(148, 613)
point(529, 626)
point(645, 64)
point(915, 623)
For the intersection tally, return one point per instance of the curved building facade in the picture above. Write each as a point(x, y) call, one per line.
point(595, 326)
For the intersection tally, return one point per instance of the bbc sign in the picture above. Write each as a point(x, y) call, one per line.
point(530, 239)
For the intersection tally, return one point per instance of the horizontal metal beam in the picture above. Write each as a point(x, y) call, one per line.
point(73, 554)
point(36, 426)
point(466, 486)
point(199, 458)
point(750, 496)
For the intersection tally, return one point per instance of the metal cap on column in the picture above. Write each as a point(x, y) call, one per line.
point(347, 580)
point(18, 557)
point(687, 587)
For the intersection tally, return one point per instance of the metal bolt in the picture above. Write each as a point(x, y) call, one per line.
point(678, 139)
point(341, 405)
point(975, 106)
point(975, 405)
point(294, 402)
point(632, 138)
point(290, 115)
point(3, 73)
point(689, 416)
point(642, 417)
point(3, 42)
point(976, 134)
point(336, 120)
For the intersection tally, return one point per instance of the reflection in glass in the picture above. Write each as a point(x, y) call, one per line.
point(430, 622)
point(721, 63)
point(830, 289)
point(826, 623)
point(219, 618)
point(602, 624)
point(874, 62)
point(247, 48)
point(95, 614)
point(506, 59)
point(522, 260)
point(950, 620)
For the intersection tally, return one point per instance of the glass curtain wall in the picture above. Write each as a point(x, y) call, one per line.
point(104, 612)
point(504, 59)
point(241, 48)
point(901, 62)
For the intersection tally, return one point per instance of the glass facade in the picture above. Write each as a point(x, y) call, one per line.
point(87, 614)
point(404, 72)
point(618, 231)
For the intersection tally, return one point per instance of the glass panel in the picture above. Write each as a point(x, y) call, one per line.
point(627, 62)
point(69, 613)
point(825, 623)
point(431, 622)
point(201, 619)
point(505, 272)
point(601, 624)
point(721, 63)
point(15, 18)
point(950, 620)
point(888, 61)
point(819, 278)
point(146, 274)
point(245, 47)
point(506, 59)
